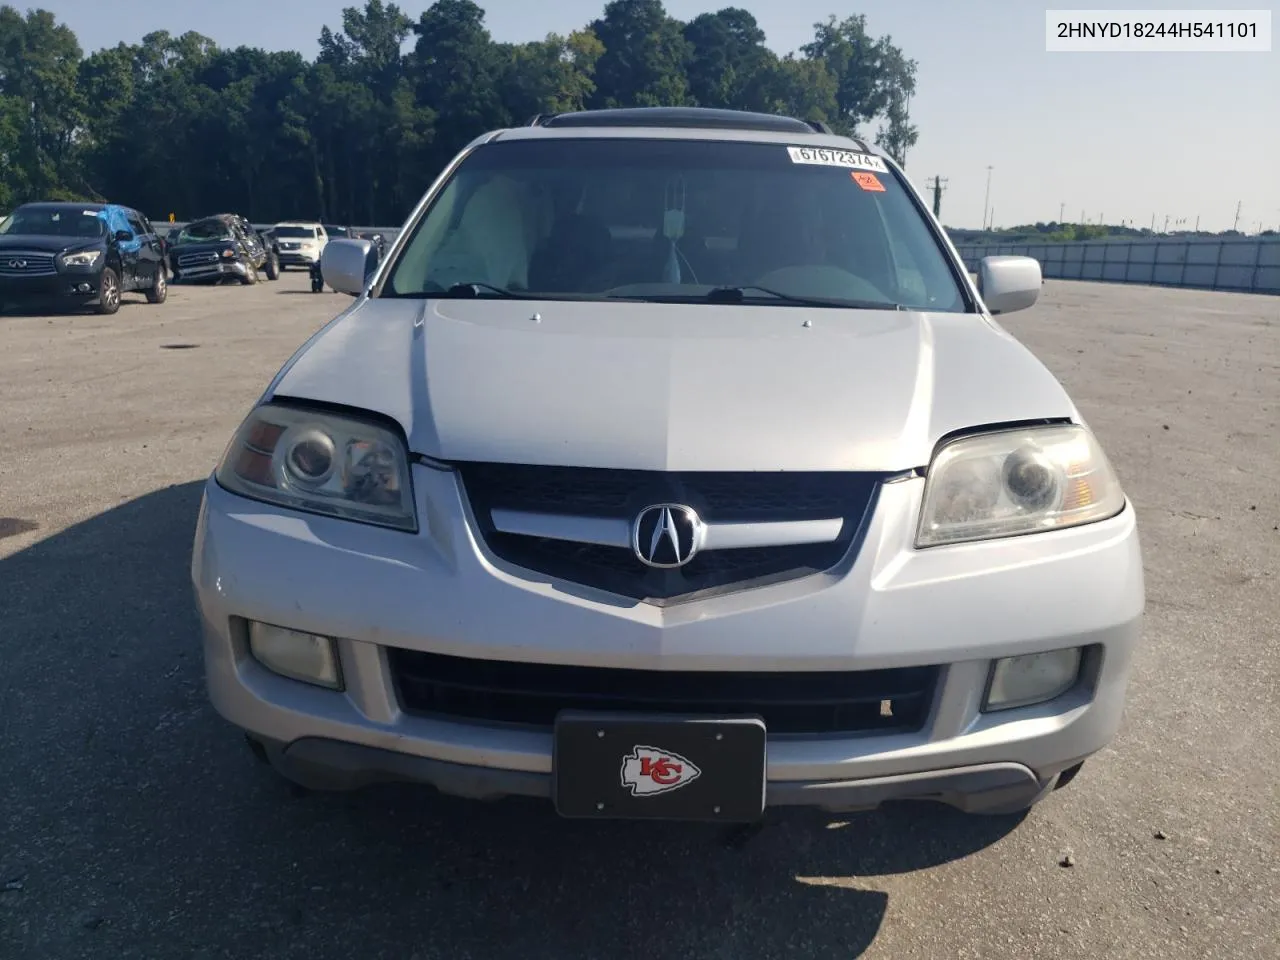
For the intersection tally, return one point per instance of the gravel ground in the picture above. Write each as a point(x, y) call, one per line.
point(136, 824)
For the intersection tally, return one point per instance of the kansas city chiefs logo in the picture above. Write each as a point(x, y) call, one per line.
point(647, 771)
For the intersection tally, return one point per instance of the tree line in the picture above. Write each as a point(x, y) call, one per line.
point(178, 124)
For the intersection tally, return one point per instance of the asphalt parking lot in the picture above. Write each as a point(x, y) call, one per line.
point(136, 824)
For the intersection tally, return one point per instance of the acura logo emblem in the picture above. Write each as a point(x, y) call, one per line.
point(667, 535)
point(17, 264)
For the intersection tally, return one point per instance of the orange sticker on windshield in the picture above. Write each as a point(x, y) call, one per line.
point(867, 181)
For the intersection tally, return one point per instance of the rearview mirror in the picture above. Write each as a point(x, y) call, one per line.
point(124, 236)
point(1009, 283)
point(346, 265)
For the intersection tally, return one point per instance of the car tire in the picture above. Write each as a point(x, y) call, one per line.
point(159, 291)
point(108, 292)
point(317, 285)
point(273, 267)
point(250, 275)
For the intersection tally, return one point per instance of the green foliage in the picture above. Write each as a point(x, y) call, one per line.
point(42, 104)
point(176, 124)
point(1053, 232)
point(1068, 232)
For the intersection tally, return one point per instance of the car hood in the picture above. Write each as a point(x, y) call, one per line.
point(33, 242)
point(672, 387)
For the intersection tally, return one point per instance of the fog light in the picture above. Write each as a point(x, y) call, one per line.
point(298, 656)
point(1033, 678)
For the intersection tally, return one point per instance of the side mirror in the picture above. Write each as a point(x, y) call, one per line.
point(124, 236)
point(1008, 284)
point(345, 265)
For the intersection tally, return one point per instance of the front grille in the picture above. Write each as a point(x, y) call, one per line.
point(718, 498)
point(19, 265)
point(196, 259)
point(531, 694)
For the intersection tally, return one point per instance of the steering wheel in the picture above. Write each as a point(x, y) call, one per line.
point(822, 280)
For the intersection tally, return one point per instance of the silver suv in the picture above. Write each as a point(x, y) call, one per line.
point(670, 465)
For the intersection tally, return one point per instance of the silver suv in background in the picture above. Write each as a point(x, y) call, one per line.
point(301, 243)
point(670, 465)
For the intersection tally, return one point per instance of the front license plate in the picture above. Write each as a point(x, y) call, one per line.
point(642, 767)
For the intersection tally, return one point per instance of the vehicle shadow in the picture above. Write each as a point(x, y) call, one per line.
point(140, 825)
point(128, 300)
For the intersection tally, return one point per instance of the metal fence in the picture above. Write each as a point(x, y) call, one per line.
point(1241, 264)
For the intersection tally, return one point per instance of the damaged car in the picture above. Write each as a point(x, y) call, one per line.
point(221, 247)
point(76, 255)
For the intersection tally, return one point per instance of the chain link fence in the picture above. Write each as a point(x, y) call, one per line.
point(1240, 264)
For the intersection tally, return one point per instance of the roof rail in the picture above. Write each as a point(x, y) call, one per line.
point(691, 117)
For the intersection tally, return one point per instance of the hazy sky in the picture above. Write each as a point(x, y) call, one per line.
point(1120, 135)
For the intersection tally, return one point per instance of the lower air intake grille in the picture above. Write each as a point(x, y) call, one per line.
point(790, 703)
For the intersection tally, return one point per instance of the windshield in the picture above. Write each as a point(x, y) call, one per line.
point(54, 222)
point(676, 220)
point(204, 231)
point(296, 233)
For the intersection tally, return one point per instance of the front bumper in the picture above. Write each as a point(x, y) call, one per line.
point(210, 271)
point(298, 258)
point(890, 606)
point(66, 287)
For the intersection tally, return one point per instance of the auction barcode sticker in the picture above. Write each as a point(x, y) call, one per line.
point(827, 157)
point(1158, 31)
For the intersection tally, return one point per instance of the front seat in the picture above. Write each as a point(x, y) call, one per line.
point(568, 261)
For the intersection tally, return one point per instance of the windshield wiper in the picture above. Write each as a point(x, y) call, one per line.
point(473, 288)
point(462, 291)
point(739, 294)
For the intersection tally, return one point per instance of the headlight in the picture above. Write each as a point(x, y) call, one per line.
point(228, 253)
point(85, 258)
point(1014, 482)
point(321, 463)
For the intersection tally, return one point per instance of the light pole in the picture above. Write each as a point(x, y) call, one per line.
point(986, 199)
